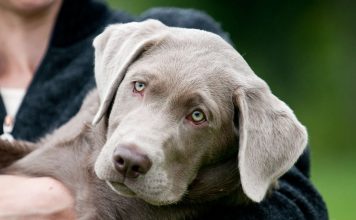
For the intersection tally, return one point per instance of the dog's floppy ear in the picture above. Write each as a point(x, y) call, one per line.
point(115, 49)
point(270, 137)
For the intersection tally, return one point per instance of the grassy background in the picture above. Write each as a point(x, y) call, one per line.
point(306, 51)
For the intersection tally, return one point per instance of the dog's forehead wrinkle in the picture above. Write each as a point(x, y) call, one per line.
point(176, 86)
point(183, 63)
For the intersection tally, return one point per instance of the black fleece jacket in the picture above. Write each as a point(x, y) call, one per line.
point(66, 75)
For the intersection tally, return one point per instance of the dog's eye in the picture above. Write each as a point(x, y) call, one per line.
point(139, 86)
point(197, 117)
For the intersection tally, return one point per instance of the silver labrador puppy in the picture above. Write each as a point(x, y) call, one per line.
point(179, 122)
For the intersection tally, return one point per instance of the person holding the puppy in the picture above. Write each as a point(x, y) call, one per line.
point(46, 69)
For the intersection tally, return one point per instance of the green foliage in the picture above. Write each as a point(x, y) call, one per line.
point(306, 51)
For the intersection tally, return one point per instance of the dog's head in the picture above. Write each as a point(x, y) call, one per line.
point(177, 100)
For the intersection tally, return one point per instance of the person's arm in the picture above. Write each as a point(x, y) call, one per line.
point(34, 198)
point(187, 18)
point(296, 198)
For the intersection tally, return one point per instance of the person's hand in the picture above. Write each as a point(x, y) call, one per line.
point(34, 199)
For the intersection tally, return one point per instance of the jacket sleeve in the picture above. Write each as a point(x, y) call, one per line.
point(296, 198)
point(188, 18)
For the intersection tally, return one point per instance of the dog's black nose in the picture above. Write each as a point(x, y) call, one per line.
point(130, 162)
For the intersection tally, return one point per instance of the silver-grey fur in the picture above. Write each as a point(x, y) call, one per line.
point(200, 64)
point(183, 70)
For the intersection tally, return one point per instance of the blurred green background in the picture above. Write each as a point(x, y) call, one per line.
point(306, 51)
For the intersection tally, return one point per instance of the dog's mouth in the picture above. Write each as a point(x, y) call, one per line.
point(121, 189)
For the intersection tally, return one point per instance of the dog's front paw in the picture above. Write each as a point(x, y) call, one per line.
point(13, 151)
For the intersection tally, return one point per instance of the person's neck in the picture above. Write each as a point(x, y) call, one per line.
point(24, 39)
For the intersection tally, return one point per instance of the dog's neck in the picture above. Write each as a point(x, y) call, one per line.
point(217, 182)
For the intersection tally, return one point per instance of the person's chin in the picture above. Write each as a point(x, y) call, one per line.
point(32, 7)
